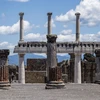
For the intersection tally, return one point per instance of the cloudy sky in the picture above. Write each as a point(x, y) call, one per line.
point(35, 20)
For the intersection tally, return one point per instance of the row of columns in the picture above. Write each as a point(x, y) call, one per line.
point(51, 51)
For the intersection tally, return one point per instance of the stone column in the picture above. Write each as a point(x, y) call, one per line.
point(21, 69)
point(21, 27)
point(49, 32)
point(55, 74)
point(97, 60)
point(51, 55)
point(49, 22)
point(77, 68)
point(77, 27)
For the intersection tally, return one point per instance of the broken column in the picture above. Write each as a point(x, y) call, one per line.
point(97, 60)
point(4, 72)
point(54, 72)
point(77, 67)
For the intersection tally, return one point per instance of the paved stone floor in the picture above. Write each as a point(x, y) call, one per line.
point(38, 92)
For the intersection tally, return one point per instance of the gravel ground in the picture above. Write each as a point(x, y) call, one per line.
point(38, 92)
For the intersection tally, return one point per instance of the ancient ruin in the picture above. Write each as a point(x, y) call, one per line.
point(76, 48)
point(4, 74)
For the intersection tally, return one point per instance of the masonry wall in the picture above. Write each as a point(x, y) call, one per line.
point(35, 76)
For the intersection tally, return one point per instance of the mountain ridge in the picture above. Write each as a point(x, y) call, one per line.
point(14, 59)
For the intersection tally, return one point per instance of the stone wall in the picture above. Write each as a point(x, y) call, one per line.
point(36, 64)
point(35, 76)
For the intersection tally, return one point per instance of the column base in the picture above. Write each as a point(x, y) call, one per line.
point(97, 82)
point(97, 78)
point(4, 84)
point(55, 85)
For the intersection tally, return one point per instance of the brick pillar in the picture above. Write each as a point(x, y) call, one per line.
point(4, 73)
point(97, 60)
point(71, 68)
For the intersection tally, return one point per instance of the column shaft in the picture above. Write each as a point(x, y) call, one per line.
point(77, 27)
point(77, 69)
point(21, 27)
point(49, 23)
point(21, 69)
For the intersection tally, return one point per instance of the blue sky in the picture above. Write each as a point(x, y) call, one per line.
point(35, 20)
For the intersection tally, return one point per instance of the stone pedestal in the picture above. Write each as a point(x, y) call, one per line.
point(4, 73)
point(77, 68)
point(54, 72)
point(97, 60)
point(21, 69)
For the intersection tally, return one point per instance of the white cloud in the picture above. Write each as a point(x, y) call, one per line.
point(90, 13)
point(7, 45)
point(66, 32)
point(19, 0)
point(52, 23)
point(15, 28)
point(35, 37)
point(63, 36)
point(64, 26)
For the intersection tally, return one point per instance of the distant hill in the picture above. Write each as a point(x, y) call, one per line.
point(14, 59)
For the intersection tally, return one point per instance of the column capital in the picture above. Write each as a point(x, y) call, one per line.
point(21, 14)
point(51, 38)
point(77, 14)
point(21, 55)
point(49, 13)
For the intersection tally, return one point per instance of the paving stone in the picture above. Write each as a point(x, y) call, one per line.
point(38, 92)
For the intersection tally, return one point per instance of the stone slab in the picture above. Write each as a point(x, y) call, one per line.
point(38, 92)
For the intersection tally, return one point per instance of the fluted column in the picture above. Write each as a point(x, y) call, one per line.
point(21, 69)
point(21, 27)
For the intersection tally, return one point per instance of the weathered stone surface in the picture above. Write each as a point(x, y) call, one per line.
point(35, 76)
point(4, 74)
point(37, 92)
point(55, 74)
point(36, 64)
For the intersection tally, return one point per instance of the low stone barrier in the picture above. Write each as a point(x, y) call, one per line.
point(35, 76)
